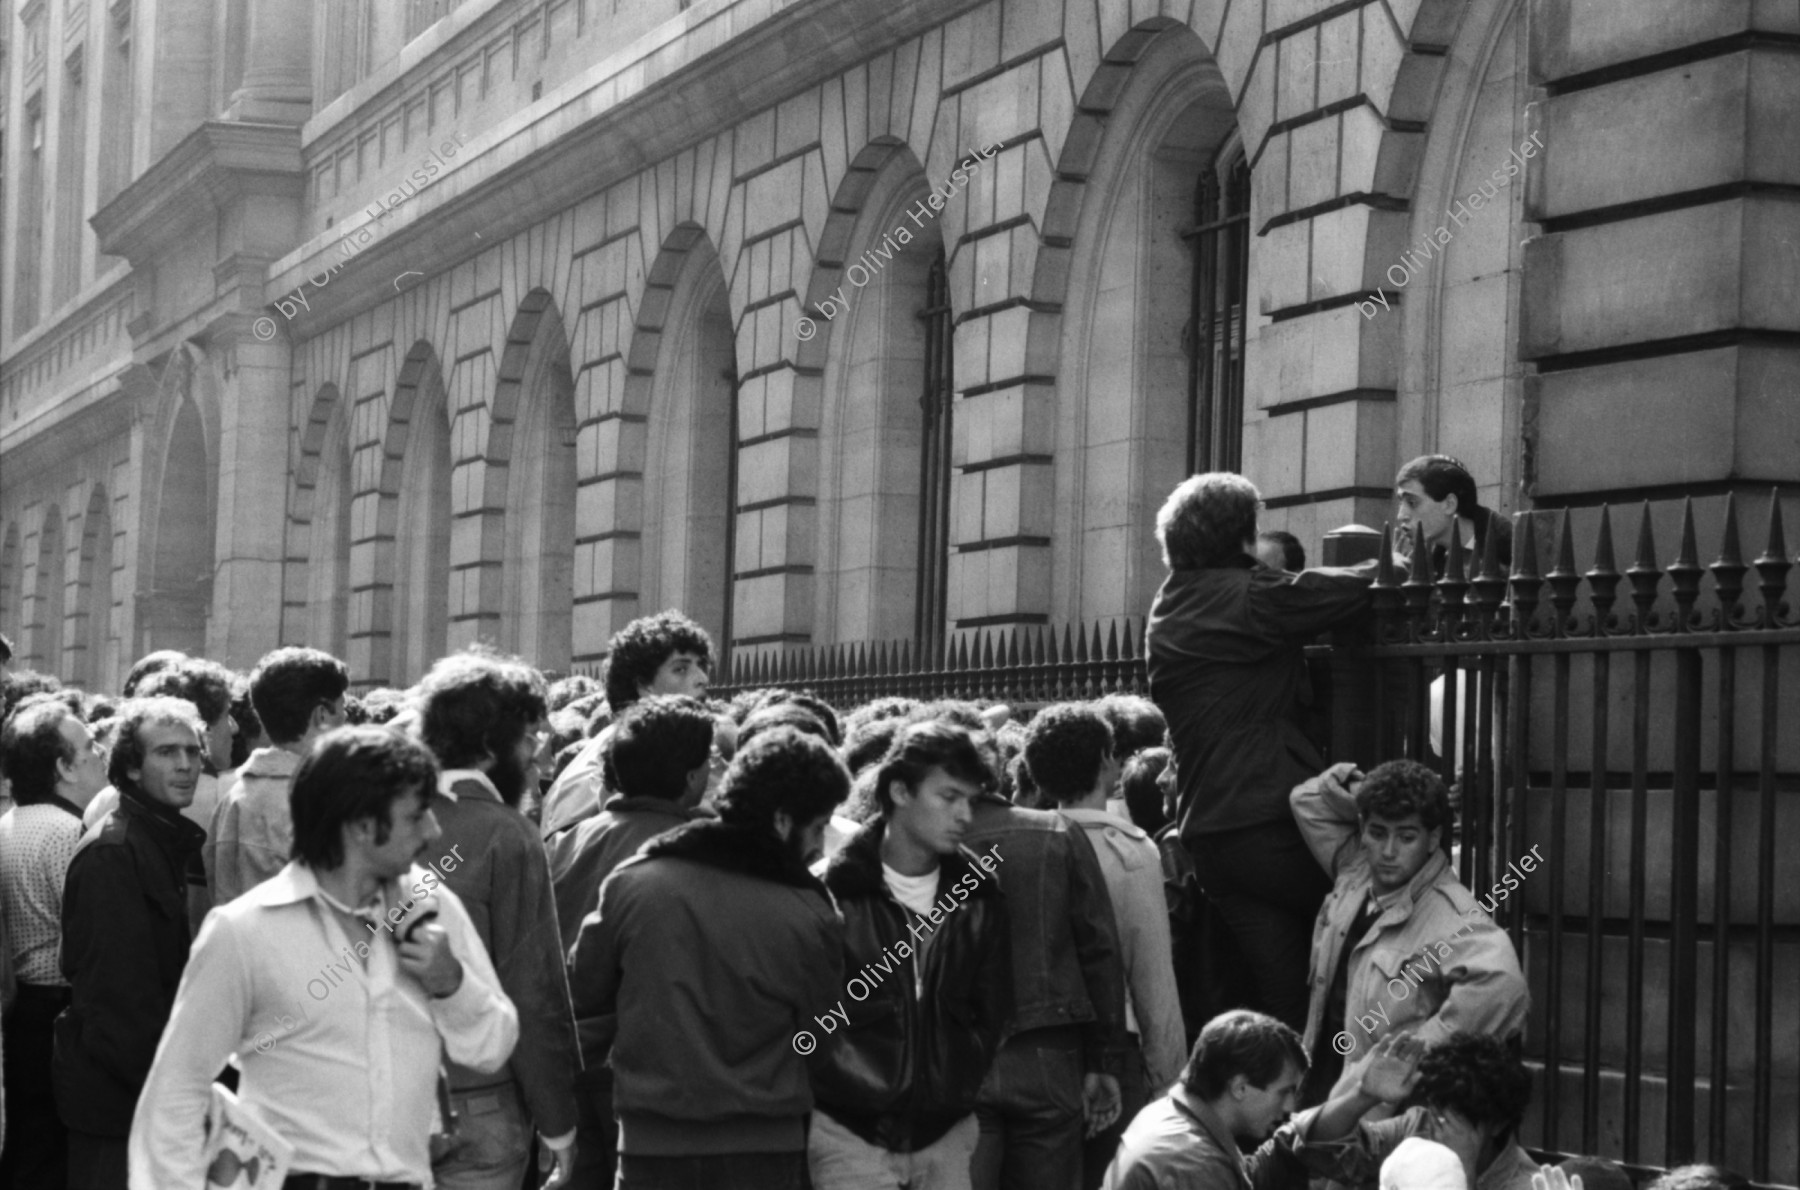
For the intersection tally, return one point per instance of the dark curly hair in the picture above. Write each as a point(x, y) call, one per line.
point(1241, 1042)
point(289, 684)
point(920, 747)
point(783, 714)
point(1398, 788)
point(1480, 1078)
point(206, 684)
point(350, 774)
point(20, 684)
point(1207, 520)
point(639, 649)
point(1135, 721)
point(1137, 784)
point(564, 691)
point(478, 704)
point(1065, 747)
point(150, 663)
point(892, 706)
point(655, 744)
point(782, 770)
point(868, 742)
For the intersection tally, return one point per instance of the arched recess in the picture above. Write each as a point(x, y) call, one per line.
point(94, 663)
point(12, 584)
point(1461, 379)
point(47, 596)
point(1153, 119)
point(531, 448)
point(414, 497)
point(320, 528)
point(181, 483)
point(873, 353)
point(683, 379)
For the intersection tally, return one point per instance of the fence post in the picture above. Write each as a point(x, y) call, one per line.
point(1344, 686)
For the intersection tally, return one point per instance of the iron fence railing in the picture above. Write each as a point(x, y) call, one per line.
point(1640, 728)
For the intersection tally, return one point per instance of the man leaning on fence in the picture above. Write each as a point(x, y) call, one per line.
point(1226, 665)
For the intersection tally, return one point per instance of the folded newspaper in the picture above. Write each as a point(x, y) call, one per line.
point(242, 1151)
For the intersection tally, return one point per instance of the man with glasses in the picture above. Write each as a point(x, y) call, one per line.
point(483, 716)
point(299, 696)
point(56, 767)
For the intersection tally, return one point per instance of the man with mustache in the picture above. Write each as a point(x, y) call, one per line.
point(125, 934)
point(484, 717)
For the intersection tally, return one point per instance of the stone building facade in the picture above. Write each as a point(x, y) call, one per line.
point(385, 326)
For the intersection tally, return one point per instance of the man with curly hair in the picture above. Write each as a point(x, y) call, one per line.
point(709, 952)
point(1400, 946)
point(662, 654)
point(1468, 1093)
point(1225, 647)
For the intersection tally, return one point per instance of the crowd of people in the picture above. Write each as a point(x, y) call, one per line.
point(499, 932)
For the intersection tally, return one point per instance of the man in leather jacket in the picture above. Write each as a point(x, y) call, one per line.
point(927, 943)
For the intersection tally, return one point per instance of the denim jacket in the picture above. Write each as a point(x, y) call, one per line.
point(1067, 968)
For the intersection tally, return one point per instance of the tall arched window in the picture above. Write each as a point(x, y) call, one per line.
point(1216, 327)
point(937, 400)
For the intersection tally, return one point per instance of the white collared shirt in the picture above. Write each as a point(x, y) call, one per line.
point(448, 780)
point(340, 1061)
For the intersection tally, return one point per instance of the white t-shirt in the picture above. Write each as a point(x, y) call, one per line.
point(915, 892)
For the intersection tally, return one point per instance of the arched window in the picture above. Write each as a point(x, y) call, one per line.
point(938, 401)
point(1214, 335)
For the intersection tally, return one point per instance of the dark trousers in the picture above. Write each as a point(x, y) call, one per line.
point(1134, 1092)
point(1268, 887)
point(724, 1171)
point(597, 1133)
point(36, 1156)
point(1030, 1111)
point(97, 1162)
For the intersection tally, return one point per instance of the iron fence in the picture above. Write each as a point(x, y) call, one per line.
point(1649, 748)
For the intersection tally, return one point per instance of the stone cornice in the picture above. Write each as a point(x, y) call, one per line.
point(213, 167)
point(666, 92)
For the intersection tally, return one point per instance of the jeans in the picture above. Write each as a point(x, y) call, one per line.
point(493, 1141)
point(841, 1160)
point(1031, 1114)
point(720, 1171)
point(36, 1156)
point(1268, 887)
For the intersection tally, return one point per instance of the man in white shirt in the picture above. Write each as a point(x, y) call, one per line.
point(56, 768)
point(336, 983)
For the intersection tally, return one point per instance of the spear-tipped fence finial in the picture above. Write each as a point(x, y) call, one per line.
point(1729, 568)
point(1644, 574)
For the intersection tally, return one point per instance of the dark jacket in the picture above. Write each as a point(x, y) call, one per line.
point(124, 946)
point(1067, 967)
point(710, 951)
point(503, 881)
point(1226, 662)
point(1485, 520)
point(584, 855)
point(907, 1064)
